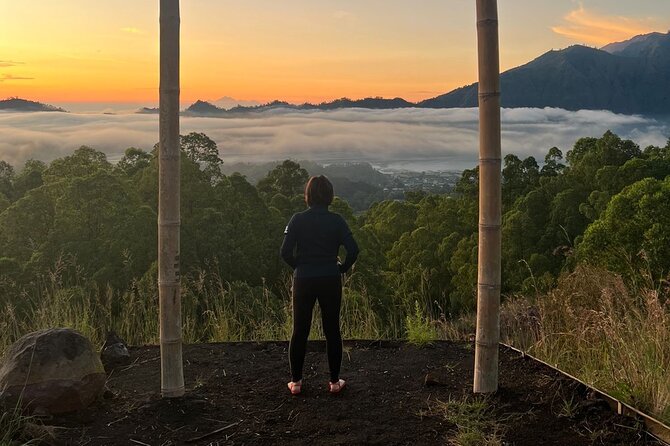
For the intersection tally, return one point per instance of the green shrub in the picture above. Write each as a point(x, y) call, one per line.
point(420, 330)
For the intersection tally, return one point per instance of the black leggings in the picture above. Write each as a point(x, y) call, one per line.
point(328, 290)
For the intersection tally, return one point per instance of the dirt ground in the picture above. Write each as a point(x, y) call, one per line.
point(237, 395)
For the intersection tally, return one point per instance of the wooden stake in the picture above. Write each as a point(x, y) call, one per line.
point(172, 373)
point(488, 288)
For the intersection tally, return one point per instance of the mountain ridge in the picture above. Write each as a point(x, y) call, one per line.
point(628, 77)
point(15, 104)
point(623, 77)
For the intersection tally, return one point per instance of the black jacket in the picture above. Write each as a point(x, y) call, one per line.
point(312, 240)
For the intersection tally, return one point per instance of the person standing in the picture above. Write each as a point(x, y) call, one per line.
point(312, 240)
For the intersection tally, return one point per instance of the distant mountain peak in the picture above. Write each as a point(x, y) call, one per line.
point(623, 77)
point(639, 40)
point(24, 105)
point(204, 107)
point(228, 102)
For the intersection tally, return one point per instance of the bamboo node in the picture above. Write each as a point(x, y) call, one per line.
point(168, 283)
point(486, 95)
point(489, 227)
point(489, 286)
point(490, 160)
point(487, 22)
point(171, 341)
point(486, 344)
point(169, 222)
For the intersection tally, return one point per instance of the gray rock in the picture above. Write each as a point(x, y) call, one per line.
point(55, 370)
point(114, 351)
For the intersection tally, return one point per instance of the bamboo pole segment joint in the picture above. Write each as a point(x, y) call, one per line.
point(487, 344)
point(486, 95)
point(490, 286)
point(489, 227)
point(487, 22)
point(171, 341)
point(169, 222)
point(490, 160)
point(168, 283)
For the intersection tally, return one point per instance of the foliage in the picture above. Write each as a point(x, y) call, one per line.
point(420, 330)
point(100, 216)
point(595, 327)
point(78, 246)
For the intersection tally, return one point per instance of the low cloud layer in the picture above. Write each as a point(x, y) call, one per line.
point(420, 139)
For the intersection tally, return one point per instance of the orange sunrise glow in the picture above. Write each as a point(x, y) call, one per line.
point(82, 51)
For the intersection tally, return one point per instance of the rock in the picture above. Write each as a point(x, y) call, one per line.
point(55, 370)
point(114, 351)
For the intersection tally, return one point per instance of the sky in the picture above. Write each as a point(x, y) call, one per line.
point(72, 51)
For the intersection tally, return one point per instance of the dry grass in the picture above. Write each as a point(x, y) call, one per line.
point(212, 311)
point(595, 327)
point(474, 420)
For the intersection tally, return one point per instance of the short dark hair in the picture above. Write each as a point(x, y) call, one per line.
point(319, 191)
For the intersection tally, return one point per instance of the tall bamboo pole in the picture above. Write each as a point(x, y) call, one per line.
point(488, 286)
point(172, 373)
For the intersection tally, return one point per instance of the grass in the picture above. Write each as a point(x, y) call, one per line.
point(420, 329)
point(13, 428)
point(593, 325)
point(475, 421)
point(568, 406)
point(603, 331)
point(212, 311)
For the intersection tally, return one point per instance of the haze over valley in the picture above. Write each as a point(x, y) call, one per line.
point(434, 134)
point(411, 139)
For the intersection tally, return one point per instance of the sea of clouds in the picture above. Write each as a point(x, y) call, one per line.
point(415, 139)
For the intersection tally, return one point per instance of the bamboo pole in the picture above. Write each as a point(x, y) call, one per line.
point(172, 373)
point(488, 286)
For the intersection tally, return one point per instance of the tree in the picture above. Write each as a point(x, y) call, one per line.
point(29, 178)
point(552, 163)
point(133, 161)
point(84, 161)
point(389, 220)
point(633, 233)
point(201, 149)
point(518, 178)
point(287, 179)
point(6, 180)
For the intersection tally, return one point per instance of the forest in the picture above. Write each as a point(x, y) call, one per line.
point(586, 253)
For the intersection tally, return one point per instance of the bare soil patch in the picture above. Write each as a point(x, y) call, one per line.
point(237, 395)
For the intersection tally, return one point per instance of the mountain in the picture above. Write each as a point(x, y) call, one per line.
point(204, 108)
point(638, 45)
point(227, 102)
point(624, 77)
point(24, 105)
point(629, 77)
point(148, 111)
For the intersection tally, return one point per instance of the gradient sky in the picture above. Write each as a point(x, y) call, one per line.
point(297, 50)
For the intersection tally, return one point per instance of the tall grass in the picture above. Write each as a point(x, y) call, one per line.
point(613, 336)
point(213, 310)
